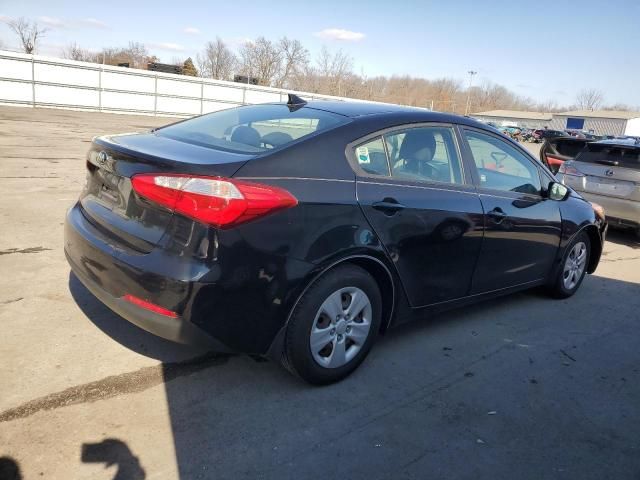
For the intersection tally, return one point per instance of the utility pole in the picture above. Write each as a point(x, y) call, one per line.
point(471, 74)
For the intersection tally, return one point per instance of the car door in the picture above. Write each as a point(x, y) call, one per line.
point(414, 191)
point(522, 227)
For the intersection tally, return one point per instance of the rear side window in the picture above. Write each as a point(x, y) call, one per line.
point(611, 155)
point(372, 158)
point(252, 129)
point(501, 166)
point(420, 154)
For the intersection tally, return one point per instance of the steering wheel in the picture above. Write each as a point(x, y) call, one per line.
point(498, 157)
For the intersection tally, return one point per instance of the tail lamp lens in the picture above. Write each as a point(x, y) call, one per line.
point(221, 202)
point(568, 169)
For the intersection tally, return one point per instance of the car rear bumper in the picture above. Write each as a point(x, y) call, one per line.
point(110, 274)
point(618, 211)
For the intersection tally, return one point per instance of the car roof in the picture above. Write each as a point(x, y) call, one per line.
point(389, 114)
point(357, 109)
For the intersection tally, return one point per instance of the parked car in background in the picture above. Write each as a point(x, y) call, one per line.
point(557, 150)
point(584, 135)
point(608, 172)
point(301, 231)
point(544, 133)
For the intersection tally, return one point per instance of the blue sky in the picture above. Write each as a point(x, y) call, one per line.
point(548, 50)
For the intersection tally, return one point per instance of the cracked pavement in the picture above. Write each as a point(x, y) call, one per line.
point(521, 387)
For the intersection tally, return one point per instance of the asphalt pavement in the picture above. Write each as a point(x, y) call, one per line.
point(520, 387)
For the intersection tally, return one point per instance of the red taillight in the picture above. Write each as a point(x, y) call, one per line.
point(149, 306)
point(221, 202)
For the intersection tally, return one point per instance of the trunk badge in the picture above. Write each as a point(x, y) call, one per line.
point(608, 172)
point(102, 158)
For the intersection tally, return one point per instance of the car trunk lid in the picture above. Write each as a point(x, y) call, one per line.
point(114, 208)
point(611, 170)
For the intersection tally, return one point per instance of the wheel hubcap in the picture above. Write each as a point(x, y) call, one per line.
point(341, 327)
point(574, 265)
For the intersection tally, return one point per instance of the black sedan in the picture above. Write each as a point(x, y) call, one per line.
point(301, 231)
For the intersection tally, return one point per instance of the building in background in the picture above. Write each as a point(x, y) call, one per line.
point(601, 122)
point(513, 118)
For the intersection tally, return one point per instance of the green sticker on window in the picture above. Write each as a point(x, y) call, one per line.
point(363, 155)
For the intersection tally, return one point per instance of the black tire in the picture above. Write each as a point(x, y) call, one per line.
point(558, 287)
point(298, 356)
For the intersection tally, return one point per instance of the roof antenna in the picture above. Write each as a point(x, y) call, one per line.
point(295, 102)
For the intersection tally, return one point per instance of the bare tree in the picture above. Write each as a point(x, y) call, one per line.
point(294, 60)
point(334, 69)
point(28, 32)
point(217, 61)
point(620, 107)
point(74, 52)
point(135, 54)
point(261, 59)
point(589, 99)
point(177, 60)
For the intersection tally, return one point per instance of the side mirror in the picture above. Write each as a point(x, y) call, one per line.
point(557, 191)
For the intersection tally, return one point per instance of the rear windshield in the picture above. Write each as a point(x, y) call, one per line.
point(252, 129)
point(627, 157)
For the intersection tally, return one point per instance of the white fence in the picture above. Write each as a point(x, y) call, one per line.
point(39, 81)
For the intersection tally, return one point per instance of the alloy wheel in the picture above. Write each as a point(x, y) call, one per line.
point(574, 265)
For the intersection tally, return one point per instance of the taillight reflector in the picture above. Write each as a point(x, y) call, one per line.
point(568, 169)
point(149, 306)
point(221, 202)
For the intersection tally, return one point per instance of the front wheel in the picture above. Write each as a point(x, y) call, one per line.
point(574, 267)
point(334, 325)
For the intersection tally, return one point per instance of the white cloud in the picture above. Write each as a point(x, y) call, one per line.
point(192, 30)
point(93, 22)
point(173, 47)
point(53, 22)
point(340, 34)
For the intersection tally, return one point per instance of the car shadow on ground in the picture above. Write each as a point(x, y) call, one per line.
point(126, 333)
point(426, 397)
point(624, 237)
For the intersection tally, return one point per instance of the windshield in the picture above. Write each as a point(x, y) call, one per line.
point(252, 129)
point(610, 154)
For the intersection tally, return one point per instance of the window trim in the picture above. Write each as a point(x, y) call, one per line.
point(467, 180)
point(476, 176)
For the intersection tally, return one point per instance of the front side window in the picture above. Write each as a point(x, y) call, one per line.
point(501, 166)
point(425, 154)
point(252, 129)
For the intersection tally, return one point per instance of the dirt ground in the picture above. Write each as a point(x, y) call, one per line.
point(520, 387)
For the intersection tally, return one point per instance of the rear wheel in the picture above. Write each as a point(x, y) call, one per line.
point(334, 325)
point(574, 267)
